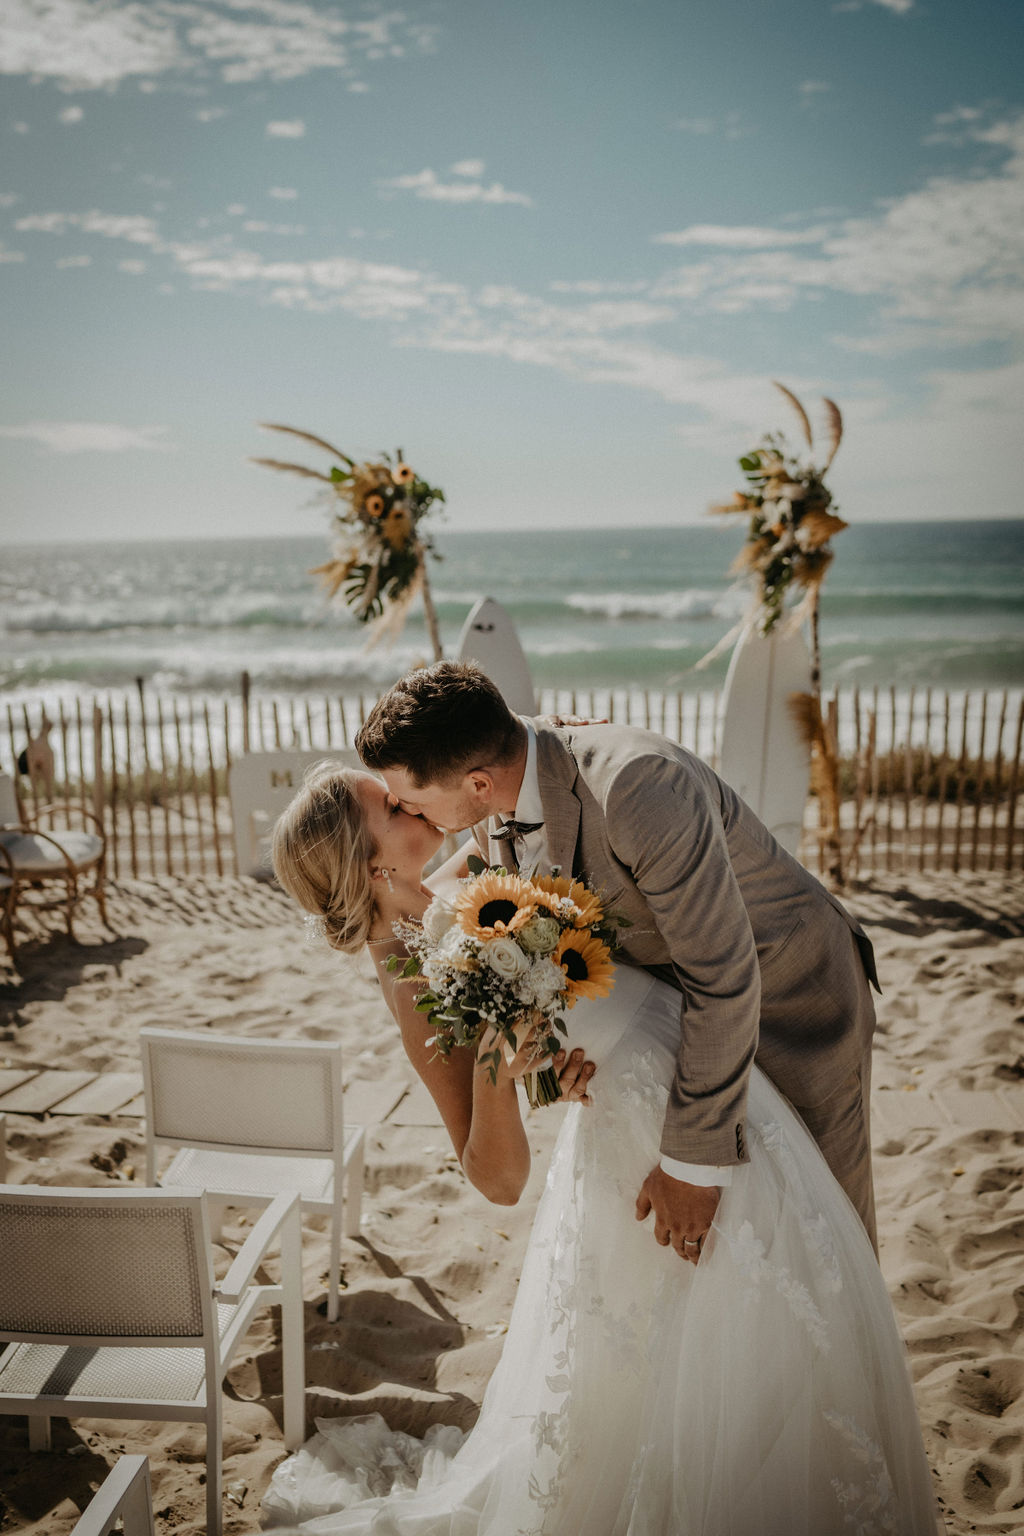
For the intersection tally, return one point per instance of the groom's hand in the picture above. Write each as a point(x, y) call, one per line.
point(683, 1213)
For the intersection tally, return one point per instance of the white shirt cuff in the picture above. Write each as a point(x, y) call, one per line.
point(697, 1173)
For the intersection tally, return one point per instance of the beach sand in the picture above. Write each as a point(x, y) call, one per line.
point(430, 1284)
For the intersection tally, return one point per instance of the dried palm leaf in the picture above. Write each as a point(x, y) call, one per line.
point(333, 573)
point(389, 625)
point(798, 408)
point(739, 503)
point(308, 437)
point(816, 528)
point(293, 469)
point(834, 424)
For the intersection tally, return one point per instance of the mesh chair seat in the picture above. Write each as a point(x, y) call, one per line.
point(250, 1173)
point(112, 1371)
point(33, 855)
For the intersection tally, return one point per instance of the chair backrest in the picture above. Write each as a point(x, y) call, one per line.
point(251, 1095)
point(86, 1265)
point(260, 786)
point(9, 808)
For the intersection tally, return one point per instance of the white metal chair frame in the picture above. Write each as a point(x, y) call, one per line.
point(125, 1494)
point(239, 1168)
point(33, 867)
point(105, 1323)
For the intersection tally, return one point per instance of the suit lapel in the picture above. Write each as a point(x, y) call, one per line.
point(556, 775)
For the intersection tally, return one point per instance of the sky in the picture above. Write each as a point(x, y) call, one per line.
point(556, 250)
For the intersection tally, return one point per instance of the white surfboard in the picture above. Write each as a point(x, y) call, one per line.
point(763, 755)
point(489, 638)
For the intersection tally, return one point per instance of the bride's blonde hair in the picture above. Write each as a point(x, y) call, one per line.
point(321, 852)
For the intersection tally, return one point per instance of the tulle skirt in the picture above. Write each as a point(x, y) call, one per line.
point(764, 1391)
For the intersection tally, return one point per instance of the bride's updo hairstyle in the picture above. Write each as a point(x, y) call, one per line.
point(321, 853)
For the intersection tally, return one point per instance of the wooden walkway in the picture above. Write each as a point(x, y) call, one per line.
point(53, 1091)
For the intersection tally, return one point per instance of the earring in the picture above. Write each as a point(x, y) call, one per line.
point(380, 873)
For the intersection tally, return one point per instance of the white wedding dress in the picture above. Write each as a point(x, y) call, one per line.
point(763, 1393)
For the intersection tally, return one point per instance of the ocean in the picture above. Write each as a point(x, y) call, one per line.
point(919, 605)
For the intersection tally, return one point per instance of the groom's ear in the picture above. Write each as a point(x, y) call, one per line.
point(479, 784)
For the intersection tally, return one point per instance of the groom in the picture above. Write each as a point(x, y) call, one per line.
point(768, 965)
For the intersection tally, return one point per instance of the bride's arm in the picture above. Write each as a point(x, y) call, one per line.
point(482, 1118)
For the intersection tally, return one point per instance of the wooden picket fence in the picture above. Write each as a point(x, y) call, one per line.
point(929, 780)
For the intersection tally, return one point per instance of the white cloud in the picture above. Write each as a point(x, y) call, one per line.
point(8, 199)
point(6, 256)
point(943, 265)
point(89, 436)
point(283, 194)
point(740, 236)
point(133, 268)
point(810, 88)
point(21, 128)
point(426, 184)
point(71, 115)
point(262, 227)
point(474, 168)
point(730, 125)
point(296, 129)
point(210, 114)
point(73, 261)
point(87, 45)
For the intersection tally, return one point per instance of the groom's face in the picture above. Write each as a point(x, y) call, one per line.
point(453, 806)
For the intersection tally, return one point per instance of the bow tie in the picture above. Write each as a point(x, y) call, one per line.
point(510, 830)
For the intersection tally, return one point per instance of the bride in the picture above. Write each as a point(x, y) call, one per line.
point(761, 1392)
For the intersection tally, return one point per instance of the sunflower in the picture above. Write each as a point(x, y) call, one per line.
point(403, 474)
point(590, 908)
point(587, 963)
point(375, 504)
point(493, 905)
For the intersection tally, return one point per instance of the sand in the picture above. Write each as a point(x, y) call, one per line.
point(430, 1284)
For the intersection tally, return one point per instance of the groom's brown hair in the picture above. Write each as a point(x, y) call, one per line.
point(438, 723)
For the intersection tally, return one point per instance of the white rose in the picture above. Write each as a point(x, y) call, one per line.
point(505, 958)
point(437, 919)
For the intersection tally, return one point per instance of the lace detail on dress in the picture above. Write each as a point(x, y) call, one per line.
point(815, 1229)
point(868, 1507)
point(750, 1255)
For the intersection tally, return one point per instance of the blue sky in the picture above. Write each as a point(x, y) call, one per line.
point(555, 249)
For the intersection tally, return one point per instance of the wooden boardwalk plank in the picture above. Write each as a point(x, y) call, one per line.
point(416, 1108)
point(13, 1078)
point(370, 1103)
point(105, 1095)
point(44, 1091)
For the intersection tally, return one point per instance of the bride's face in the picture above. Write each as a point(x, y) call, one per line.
point(402, 841)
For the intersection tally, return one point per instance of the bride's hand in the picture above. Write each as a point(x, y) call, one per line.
point(574, 1074)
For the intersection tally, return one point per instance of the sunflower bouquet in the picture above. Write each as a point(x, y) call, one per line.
point(508, 954)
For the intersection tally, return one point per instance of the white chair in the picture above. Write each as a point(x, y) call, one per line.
point(260, 786)
point(110, 1301)
point(35, 856)
point(124, 1494)
point(252, 1118)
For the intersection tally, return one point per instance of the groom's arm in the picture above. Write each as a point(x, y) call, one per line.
point(664, 823)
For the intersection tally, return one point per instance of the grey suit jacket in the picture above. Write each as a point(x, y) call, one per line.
point(769, 966)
